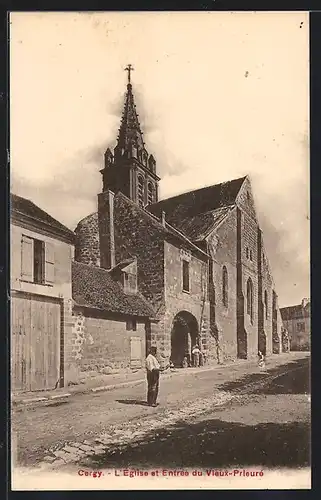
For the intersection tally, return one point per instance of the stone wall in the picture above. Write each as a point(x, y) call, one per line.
point(267, 286)
point(225, 237)
point(102, 343)
point(245, 199)
point(194, 301)
point(249, 252)
point(137, 235)
point(87, 241)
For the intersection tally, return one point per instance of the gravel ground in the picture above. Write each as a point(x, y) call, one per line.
point(113, 429)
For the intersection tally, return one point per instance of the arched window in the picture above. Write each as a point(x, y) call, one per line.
point(249, 297)
point(225, 286)
point(150, 193)
point(141, 200)
point(266, 304)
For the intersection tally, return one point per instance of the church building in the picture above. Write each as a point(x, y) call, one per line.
point(198, 259)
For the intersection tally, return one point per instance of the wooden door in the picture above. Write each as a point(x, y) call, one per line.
point(136, 352)
point(20, 342)
point(35, 342)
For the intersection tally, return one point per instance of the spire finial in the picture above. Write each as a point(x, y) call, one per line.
point(129, 68)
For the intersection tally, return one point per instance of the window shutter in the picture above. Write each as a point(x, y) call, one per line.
point(49, 262)
point(27, 258)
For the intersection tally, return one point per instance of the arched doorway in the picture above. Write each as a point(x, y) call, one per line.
point(184, 336)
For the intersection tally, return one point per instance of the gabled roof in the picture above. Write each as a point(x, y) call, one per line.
point(94, 287)
point(195, 213)
point(26, 209)
point(295, 312)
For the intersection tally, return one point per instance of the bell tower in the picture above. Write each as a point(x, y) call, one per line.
point(131, 169)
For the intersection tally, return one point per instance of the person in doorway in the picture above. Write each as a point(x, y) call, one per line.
point(153, 369)
point(196, 356)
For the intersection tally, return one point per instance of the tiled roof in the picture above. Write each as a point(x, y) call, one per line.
point(196, 212)
point(24, 207)
point(298, 311)
point(197, 227)
point(94, 287)
point(292, 312)
point(167, 230)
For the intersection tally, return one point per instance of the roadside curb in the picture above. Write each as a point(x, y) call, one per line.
point(111, 387)
point(131, 383)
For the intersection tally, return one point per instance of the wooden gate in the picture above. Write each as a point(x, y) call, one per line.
point(35, 342)
point(135, 352)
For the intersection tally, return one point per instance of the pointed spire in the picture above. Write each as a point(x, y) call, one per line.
point(130, 133)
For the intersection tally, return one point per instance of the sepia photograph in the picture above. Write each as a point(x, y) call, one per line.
point(160, 250)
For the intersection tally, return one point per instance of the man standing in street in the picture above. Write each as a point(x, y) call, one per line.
point(153, 369)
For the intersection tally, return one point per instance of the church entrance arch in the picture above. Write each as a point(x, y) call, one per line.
point(184, 335)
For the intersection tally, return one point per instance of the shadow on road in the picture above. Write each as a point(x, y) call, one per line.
point(132, 402)
point(300, 386)
point(215, 443)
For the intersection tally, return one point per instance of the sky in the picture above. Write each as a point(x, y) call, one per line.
point(219, 95)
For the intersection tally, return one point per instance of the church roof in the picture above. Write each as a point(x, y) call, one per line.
point(168, 231)
point(26, 209)
point(94, 287)
point(197, 212)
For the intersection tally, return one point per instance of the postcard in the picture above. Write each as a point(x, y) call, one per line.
point(160, 246)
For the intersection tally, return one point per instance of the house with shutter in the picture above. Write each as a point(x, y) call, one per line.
point(41, 298)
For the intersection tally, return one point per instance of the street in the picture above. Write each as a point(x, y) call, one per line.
point(228, 417)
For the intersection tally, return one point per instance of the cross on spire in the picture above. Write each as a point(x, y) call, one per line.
point(129, 68)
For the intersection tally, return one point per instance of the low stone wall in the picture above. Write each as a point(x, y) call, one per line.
point(102, 344)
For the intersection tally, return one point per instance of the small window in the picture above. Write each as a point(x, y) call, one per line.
point(150, 193)
point(248, 196)
point(141, 200)
point(185, 276)
point(300, 327)
point(131, 325)
point(37, 261)
point(247, 252)
point(251, 255)
point(225, 287)
point(249, 297)
point(130, 283)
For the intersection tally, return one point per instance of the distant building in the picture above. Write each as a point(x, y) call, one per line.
point(201, 260)
point(41, 301)
point(297, 321)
